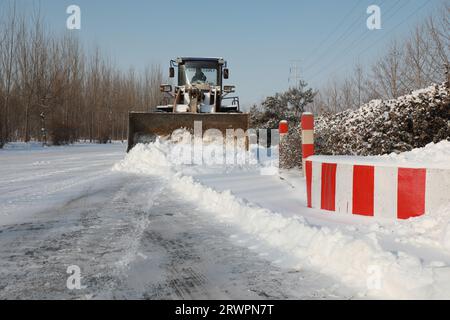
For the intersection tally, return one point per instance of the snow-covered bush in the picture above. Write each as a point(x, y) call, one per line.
point(291, 148)
point(379, 127)
point(288, 106)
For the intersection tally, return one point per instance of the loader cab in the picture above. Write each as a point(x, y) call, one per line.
point(199, 87)
point(194, 71)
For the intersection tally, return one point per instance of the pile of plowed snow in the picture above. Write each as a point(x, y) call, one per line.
point(431, 230)
point(358, 261)
point(432, 155)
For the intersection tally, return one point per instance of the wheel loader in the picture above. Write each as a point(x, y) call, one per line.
point(199, 96)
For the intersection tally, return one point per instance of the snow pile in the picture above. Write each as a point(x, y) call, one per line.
point(381, 127)
point(433, 154)
point(181, 151)
point(430, 230)
point(145, 160)
point(358, 261)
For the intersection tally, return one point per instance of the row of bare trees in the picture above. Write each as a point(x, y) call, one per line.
point(407, 65)
point(51, 82)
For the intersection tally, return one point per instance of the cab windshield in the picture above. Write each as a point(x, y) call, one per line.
point(198, 72)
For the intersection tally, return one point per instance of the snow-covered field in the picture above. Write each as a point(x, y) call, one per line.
point(141, 227)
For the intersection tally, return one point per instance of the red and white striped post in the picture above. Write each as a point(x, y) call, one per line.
point(307, 123)
point(283, 129)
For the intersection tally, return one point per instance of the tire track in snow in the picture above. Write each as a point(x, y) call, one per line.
point(53, 173)
point(185, 255)
point(27, 199)
point(99, 231)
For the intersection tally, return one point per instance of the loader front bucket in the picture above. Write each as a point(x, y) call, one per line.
point(144, 127)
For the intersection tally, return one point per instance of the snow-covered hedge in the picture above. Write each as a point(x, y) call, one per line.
point(291, 149)
point(379, 127)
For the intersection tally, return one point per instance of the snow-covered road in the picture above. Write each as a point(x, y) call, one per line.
point(131, 236)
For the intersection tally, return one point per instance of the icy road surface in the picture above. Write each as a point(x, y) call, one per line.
point(132, 237)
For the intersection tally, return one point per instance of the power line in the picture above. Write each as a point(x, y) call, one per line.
point(335, 29)
point(372, 43)
point(343, 37)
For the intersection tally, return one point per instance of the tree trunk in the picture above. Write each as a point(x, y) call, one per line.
point(27, 124)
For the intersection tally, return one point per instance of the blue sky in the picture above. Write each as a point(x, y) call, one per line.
point(260, 39)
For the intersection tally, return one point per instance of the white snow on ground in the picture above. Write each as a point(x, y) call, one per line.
point(364, 253)
point(36, 145)
point(53, 176)
point(410, 258)
point(432, 229)
point(23, 146)
point(132, 235)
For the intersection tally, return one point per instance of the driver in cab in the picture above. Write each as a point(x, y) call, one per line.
point(199, 76)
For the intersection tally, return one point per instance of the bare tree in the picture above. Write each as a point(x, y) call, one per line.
point(412, 63)
point(347, 95)
point(358, 80)
point(415, 58)
point(387, 73)
point(7, 48)
point(81, 94)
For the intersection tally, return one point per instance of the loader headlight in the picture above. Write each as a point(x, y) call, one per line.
point(165, 88)
point(229, 89)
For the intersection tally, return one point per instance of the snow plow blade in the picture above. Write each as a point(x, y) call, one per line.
point(144, 127)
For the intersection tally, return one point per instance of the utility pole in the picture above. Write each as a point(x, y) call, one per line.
point(294, 73)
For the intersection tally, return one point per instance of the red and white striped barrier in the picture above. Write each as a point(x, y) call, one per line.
point(307, 123)
point(358, 187)
point(283, 129)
